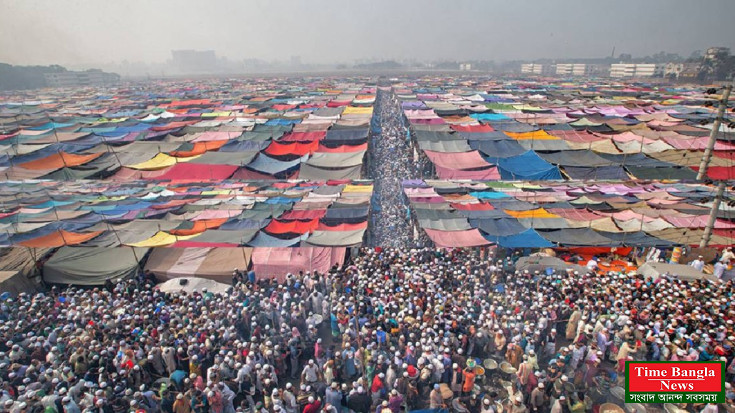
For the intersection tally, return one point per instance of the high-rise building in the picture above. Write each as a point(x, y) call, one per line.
point(571, 69)
point(532, 68)
point(636, 70)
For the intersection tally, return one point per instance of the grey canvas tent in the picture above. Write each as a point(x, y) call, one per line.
point(92, 265)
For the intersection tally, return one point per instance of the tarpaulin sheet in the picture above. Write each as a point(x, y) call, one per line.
point(575, 158)
point(347, 134)
point(262, 239)
point(243, 146)
point(336, 160)
point(527, 166)
point(323, 174)
point(602, 173)
point(159, 161)
point(292, 148)
point(496, 149)
point(193, 149)
point(457, 160)
point(535, 135)
point(196, 227)
point(304, 214)
point(637, 239)
point(92, 266)
point(436, 136)
point(342, 148)
point(526, 239)
point(236, 237)
point(303, 136)
point(342, 227)
point(211, 263)
point(544, 144)
point(197, 171)
point(265, 164)
point(459, 145)
point(295, 227)
point(489, 173)
point(59, 160)
point(59, 239)
point(277, 262)
point(336, 238)
point(347, 214)
point(160, 239)
point(473, 128)
point(446, 224)
point(498, 227)
point(456, 239)
point(226, 158)
point(238, 223)
point(578, 237)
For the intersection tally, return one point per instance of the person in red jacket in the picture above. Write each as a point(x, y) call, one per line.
point(313, 406)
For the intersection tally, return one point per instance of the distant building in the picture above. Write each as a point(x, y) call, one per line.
point(571, 69)
point(465, 66)
point(92, 77)
point(690, 71)
point(636, 70)
point(715, 53)
point(532, 68)
point(194, 61)
point(673, 69)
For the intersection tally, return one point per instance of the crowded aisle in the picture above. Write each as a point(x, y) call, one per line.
point(395, 329)
point(389, 165)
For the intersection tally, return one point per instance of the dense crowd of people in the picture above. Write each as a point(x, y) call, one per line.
point(389, 166)
point(395, 330)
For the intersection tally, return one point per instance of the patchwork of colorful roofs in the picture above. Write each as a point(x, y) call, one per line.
point(210, 173)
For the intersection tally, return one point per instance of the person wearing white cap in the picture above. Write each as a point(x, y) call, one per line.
point(559, 404)
point(311, 373)
point(537, 402)
point(698, 263)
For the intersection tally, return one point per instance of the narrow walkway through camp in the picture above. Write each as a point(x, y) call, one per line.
point(388, 166)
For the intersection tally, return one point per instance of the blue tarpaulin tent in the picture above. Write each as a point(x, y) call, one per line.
point(528, 166)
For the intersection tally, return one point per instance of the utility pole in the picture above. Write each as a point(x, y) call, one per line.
point(713, 215)
point(713, 134)
point(705, 163)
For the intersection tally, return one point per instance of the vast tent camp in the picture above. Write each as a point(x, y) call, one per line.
point(360, 244)
point(259, 129)
point(567, 214)
point(531, 130)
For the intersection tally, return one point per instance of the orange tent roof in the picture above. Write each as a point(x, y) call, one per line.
point(59, 160)
point(532, 213)
point(59, 239)
point(200, 226)
point(199, 148)
point(539, 134)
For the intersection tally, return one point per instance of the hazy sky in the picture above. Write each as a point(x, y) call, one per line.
point(101, 31)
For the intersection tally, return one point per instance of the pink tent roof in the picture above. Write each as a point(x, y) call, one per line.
point(449, 239)
point(277, 262)
point(457, 160)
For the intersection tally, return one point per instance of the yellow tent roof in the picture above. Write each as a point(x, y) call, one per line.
point(532, 213)
point(358, 188)
point(539, 134)
point(160, 161)
point(351, 110)
point(161, 239)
